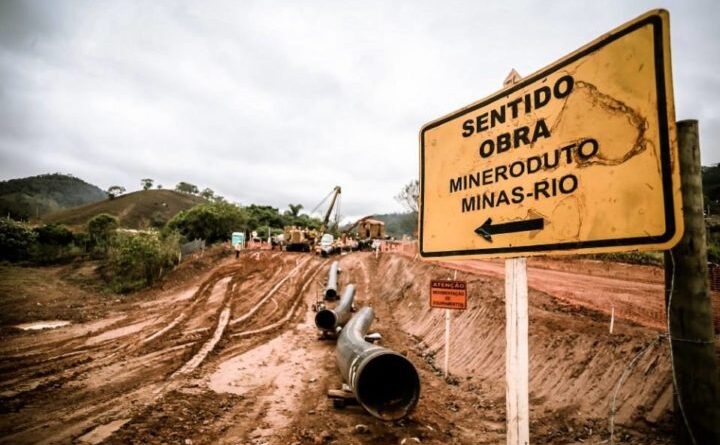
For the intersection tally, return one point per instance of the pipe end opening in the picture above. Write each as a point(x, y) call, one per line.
point(388, 386)
point(325, 320)
point(331, 294)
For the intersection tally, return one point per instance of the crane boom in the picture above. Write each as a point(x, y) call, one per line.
point(336, 192)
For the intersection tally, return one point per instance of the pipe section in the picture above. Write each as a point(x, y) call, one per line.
point(332, 319)
point(384, 382)
point(331, 287)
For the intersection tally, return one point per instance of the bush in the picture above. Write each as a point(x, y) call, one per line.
point(16, 240)
point(53, 243)
point(101, 229)
point(136, 261)
point(54, 235)
point(713, 248)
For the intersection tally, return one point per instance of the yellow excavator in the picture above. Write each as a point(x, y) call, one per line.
point(368, 230)
point(302, 239)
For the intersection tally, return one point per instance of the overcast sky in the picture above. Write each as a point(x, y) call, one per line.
point(276, 102)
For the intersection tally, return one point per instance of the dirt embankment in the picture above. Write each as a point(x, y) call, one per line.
point(230, 355)
point(575, 363)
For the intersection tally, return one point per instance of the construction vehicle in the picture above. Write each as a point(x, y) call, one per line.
point(299, 239)
point(368, 230)
point(302, 239)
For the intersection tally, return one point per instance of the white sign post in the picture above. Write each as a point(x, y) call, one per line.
point(516, 352)
point(516, 336)
point(447, 335)
point(447, 343)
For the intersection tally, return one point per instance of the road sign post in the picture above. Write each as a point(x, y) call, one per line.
point(516, 352)
point(517, 406)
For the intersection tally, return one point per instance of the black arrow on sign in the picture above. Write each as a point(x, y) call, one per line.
point(488, 229)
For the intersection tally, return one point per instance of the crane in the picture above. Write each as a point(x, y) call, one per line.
point(327, 245)
point(335, 193)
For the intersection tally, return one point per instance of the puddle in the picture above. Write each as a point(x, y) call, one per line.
point(40, 325)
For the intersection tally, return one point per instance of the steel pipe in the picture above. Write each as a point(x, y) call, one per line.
point(384, 382)
point(333, 319)
point(331, 287)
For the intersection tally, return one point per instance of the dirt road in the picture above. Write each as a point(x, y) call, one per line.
point(232, 357)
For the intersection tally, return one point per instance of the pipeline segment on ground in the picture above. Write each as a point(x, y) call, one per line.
point(332, 320)
point(331, 287)
point(384, 382)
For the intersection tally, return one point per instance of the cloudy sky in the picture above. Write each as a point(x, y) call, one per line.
point(276, 102)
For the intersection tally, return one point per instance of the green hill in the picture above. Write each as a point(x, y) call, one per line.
point(711, 188)
point(399, 224)
point(35, 196)
point(136, 210)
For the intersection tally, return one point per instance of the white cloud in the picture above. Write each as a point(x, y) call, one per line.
point(277, 102)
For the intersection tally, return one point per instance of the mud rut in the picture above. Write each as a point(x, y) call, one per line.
point(235, 359)
point(56, 388)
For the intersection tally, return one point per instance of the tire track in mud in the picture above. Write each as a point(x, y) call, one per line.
point(290, 313)
point(122, 362)
point(177, 383)
point(234, 289)
point(100, 353)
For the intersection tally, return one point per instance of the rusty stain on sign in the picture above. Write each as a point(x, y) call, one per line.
point(578, 157)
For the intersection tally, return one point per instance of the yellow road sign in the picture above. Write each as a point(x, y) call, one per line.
point(580, 156)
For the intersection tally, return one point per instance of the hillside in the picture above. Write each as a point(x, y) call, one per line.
point(136, 210)
point(27, 198)
point(399, 224)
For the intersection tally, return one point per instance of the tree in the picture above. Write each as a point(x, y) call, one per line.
point(295, 209)
point(147, 183)
point(262, 216)
point(207, 193)
point(159, 186)
point(15, 240)
point(186, 187)
point(409, 195)
point(211, 222)
point(115, 190)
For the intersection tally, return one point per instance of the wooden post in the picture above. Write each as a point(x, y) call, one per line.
point(612, 319)
point(516, 334)
point(516, 352)
point(690, 317)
